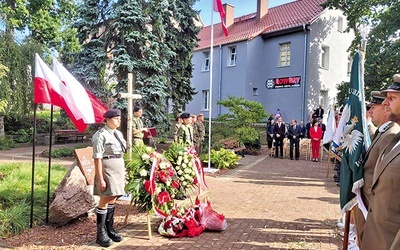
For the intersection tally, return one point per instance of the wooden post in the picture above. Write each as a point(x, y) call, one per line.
point(149, 225)
point(346, 230)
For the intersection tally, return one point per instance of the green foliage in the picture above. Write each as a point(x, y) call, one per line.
point(6, 143)
point(153, 39)
point(222, 158)
point(382, 57)
point(15, 190)
point(342, 94)
point(242, 113)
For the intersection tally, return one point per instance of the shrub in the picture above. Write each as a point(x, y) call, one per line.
point(221, 159)
point(6, 143)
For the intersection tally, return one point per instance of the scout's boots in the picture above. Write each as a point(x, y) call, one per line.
point(110, 224)
point(102, 236)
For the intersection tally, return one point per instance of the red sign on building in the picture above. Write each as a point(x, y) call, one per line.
point(283, 82)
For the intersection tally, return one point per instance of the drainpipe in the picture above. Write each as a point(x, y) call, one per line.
point(303, 105)
point(220, 78)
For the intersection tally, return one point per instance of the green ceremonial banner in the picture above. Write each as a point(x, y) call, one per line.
point(355, 138)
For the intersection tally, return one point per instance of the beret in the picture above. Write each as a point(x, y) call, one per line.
point(137, 108)
point(185, 115)
point(112, 113)
point(178, 116)
point(200, 114)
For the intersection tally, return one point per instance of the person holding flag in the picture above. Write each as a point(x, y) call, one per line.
point(386, 130)
point(382, 227)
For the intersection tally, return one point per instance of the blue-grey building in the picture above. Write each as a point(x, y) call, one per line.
point(289, 57)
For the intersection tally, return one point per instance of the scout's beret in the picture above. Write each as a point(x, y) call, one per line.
point(377, 98)
point(200, 114)
point(112, 113)
point(395, 87)
point(137, 108)
point(185, 115)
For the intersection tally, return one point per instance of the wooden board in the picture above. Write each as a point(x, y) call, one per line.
point(86, 163)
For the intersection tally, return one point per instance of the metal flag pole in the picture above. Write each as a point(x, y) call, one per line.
point(211, 87)
point(33, 163)
point(49, 166)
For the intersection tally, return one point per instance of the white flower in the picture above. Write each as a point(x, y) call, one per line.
point(182, 178)
point(179, 162)
point(179, 158)
point(149, 149)
point(187, 176)
point(184, 183)
point(190, 164)
point(145, 157)
point(177, 168)
point(143, 172)
point(184, 165)
point(187, 170)
point(186, 161)
point(168, 182)
point(158, 190)
point(180, 153)
point(162, 165)
point(180, 172)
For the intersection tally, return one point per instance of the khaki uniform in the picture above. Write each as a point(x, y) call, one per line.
point(185, 135)
point(105, 144)
point(382, 227)
point(137, 124)
point(387, 131)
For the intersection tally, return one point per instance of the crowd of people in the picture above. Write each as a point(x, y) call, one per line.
point(277, 131)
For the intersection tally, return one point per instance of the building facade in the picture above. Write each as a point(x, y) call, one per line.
point(290, 57)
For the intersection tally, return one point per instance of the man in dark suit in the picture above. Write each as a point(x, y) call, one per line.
point(382, 227)
point(279, 135)
point(386, 130)
point(319, 112)
point(294, 132)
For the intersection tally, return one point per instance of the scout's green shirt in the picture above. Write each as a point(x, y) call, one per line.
point(137, 124)
point(185, 135)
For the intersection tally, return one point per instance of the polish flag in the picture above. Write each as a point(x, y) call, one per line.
point(61, 89)
point(218, 7)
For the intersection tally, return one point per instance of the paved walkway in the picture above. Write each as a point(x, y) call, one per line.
point(268, 203)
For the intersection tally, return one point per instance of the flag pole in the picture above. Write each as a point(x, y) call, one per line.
point(49, 165)
point(33, 163)
point(211, 87)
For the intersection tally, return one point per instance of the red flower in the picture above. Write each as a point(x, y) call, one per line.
point(162, 176)
point(175, 184)
point(163, 197)
point(195, 181)
point(171, 172)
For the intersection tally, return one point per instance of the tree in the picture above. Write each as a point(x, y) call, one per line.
point(382, 54)
point(3, 102)
point(241, 114)
point(143, 37)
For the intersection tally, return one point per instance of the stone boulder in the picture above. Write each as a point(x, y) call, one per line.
point(73, 198)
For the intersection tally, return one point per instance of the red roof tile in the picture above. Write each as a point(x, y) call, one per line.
point(278, 18)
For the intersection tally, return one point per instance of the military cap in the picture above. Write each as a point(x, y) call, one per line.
point(185, 115)
point(377, 98)
point(178, 116)
point(200, 114)
point(112, 113)
point(395, 87)
point(137, 108)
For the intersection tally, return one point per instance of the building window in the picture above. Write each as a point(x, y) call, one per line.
point(325, 57)
point(206, 66)
point(284, 60)
point(255, 91)
point(349, 61)
point(232, 56)
point(205, 100)
point(340, 24)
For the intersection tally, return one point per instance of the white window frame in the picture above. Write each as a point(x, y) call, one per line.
point(325, 54)
point(206, 64)
point(340, 24)
point(232, 56)
point(284, 54)
point(205, 100)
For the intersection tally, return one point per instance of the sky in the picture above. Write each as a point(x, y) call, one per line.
point(242, 7)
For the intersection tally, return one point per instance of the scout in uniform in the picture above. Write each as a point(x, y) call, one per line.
point(137, 126)
point(185, 132)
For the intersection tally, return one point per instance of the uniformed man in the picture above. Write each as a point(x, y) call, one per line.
point(386, 130)
point(178, 123)
point(138, 129)
point(382, 227)
point(108, 150)
point(200, 133)
point(185, 132)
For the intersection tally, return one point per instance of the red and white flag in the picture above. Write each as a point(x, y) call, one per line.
point(61, 89)
point(218, 7)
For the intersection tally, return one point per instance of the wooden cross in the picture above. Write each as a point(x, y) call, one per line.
point(130, 98)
